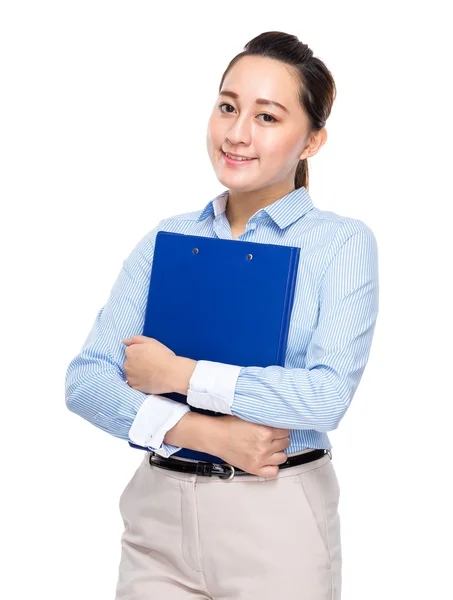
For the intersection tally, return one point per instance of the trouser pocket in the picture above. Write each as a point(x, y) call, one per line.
point(321, 493)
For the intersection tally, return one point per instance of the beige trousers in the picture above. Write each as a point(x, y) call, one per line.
point(189, 537)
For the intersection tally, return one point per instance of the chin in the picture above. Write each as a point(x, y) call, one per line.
point(235, 186)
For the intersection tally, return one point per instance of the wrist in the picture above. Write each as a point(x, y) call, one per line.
point(198, 432)
point(211, 434)
point(182, 370)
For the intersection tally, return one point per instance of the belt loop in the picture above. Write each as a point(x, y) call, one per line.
point(204, 468)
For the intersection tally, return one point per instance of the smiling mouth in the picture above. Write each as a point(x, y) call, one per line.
point(238, 159)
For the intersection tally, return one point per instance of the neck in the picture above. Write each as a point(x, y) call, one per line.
point(243, 205)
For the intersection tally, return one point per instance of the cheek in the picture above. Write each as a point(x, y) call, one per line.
point(212, 136)
point(281, 150)
point(217, 129)
point(208, 142)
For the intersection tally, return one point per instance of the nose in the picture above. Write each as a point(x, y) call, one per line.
point(239, 133)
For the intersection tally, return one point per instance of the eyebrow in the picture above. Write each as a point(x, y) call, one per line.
point(258, 100)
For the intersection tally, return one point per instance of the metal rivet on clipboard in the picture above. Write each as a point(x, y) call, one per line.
point(249, 256)
point(195, 250)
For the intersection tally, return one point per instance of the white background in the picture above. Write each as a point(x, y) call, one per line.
point(104, 108)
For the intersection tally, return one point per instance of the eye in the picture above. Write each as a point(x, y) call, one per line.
point(273, 119)
point(224, 104)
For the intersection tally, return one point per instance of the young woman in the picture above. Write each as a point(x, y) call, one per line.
point(264, 524)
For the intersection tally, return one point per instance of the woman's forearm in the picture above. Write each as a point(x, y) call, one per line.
point(196, 432)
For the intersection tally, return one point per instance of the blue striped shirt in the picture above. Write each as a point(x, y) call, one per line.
point(331, 330)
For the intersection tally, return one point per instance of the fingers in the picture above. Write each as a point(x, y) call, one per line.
point(280, 444)
point(280, 433)
point(272, 468)
point(278, 458)
point(268, 471)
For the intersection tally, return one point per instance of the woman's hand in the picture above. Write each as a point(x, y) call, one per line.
point(255, 448)
point(153, 368)
point(149, 365)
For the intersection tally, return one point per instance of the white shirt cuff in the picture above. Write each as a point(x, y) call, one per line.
point(154, 418)
point(212, 386)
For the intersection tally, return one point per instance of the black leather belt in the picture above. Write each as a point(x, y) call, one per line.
point(224, 470)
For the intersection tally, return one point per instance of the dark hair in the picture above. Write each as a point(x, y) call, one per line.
point(317, 86)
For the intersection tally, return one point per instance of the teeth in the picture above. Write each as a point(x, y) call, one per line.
point(237, 157)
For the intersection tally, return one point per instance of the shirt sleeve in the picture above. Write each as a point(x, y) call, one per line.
point(96, 385)
point(315, 397)
point(154, 418)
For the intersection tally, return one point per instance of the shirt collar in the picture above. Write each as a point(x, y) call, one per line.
point(284, 211)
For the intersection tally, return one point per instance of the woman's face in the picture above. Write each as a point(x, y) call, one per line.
point(274, 137)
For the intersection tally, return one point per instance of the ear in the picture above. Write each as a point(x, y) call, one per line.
point(316, 141)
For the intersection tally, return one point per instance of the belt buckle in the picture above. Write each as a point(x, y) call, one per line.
point(329, 453)
point(230, 475)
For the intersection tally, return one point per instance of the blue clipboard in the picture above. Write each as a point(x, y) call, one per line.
point(220, 300)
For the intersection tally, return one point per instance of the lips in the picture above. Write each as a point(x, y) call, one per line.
point(238, 156)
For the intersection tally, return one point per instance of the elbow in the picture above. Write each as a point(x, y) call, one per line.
point(72, 389)
point(330, 424)
point(338, 414)
point(78, 383)
point(71, 401)
point(331, 415)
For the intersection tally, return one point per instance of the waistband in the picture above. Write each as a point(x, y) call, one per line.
point(227, 471)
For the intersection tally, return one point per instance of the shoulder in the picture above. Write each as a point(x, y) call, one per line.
point(180, 223)
point(187, 216)
point(344, 238)
point(341, 227)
